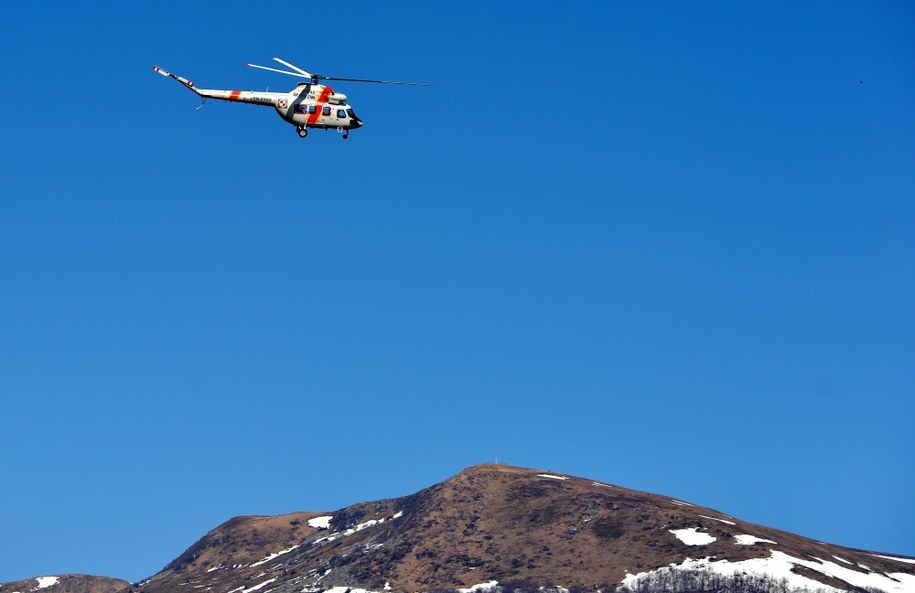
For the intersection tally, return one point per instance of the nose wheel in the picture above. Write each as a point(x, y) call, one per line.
point(302, 130)
point(345, 135)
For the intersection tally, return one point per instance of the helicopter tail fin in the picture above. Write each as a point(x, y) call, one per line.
point(180, 79)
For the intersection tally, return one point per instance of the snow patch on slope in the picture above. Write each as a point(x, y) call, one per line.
point(549, 476)
point(322, 522)
point(779, 567)
point(256, 587)
point(45, 582)
point(341, 589)
point(896, 558)
point(272, 556)
point(748, 540)
point(259, 586)
point(481, 588)
point(357, 528)
point(717, 519)
point(692, 537)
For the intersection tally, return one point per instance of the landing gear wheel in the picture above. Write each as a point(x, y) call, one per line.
point(345, 135)
point(303, 131)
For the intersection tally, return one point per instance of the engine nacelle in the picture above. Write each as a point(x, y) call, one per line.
point(337, 99)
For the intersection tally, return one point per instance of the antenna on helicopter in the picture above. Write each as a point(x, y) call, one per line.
point(317, 77)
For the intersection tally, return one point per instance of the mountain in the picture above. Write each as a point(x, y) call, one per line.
point(501, 529)
point(66, 583)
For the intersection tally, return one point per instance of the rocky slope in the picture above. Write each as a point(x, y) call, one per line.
point(494, 527)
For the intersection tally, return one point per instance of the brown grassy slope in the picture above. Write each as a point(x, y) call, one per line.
point(495, 522)
point(489, 522)
point(244, 540)
point(68, 583)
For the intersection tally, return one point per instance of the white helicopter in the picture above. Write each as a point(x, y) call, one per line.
point(308, 105)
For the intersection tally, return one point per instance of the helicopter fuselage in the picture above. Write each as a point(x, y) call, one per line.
point(317, 106)
point(308, 105)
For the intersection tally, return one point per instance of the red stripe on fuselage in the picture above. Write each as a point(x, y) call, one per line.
point(233, 96)
point(322, 99)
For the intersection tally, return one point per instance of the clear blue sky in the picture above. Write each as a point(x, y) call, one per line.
point(665, 245)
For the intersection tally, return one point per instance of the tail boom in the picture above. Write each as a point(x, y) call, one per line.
point(255, 97)
point(180, 79)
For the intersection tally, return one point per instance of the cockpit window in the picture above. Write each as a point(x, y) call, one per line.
point(351, 113)
point(341, 114)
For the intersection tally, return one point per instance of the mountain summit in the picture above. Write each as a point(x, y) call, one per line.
point(501, 529)
point(495, 526)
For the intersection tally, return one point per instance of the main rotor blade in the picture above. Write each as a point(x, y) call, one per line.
point(296, 74)
point(376, 81)
point(316, 77)
point(293, 66)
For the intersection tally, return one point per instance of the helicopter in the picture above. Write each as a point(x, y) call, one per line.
point(309, 105)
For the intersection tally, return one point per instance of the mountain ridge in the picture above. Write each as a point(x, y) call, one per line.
point(66, 583)
point(503, 528)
